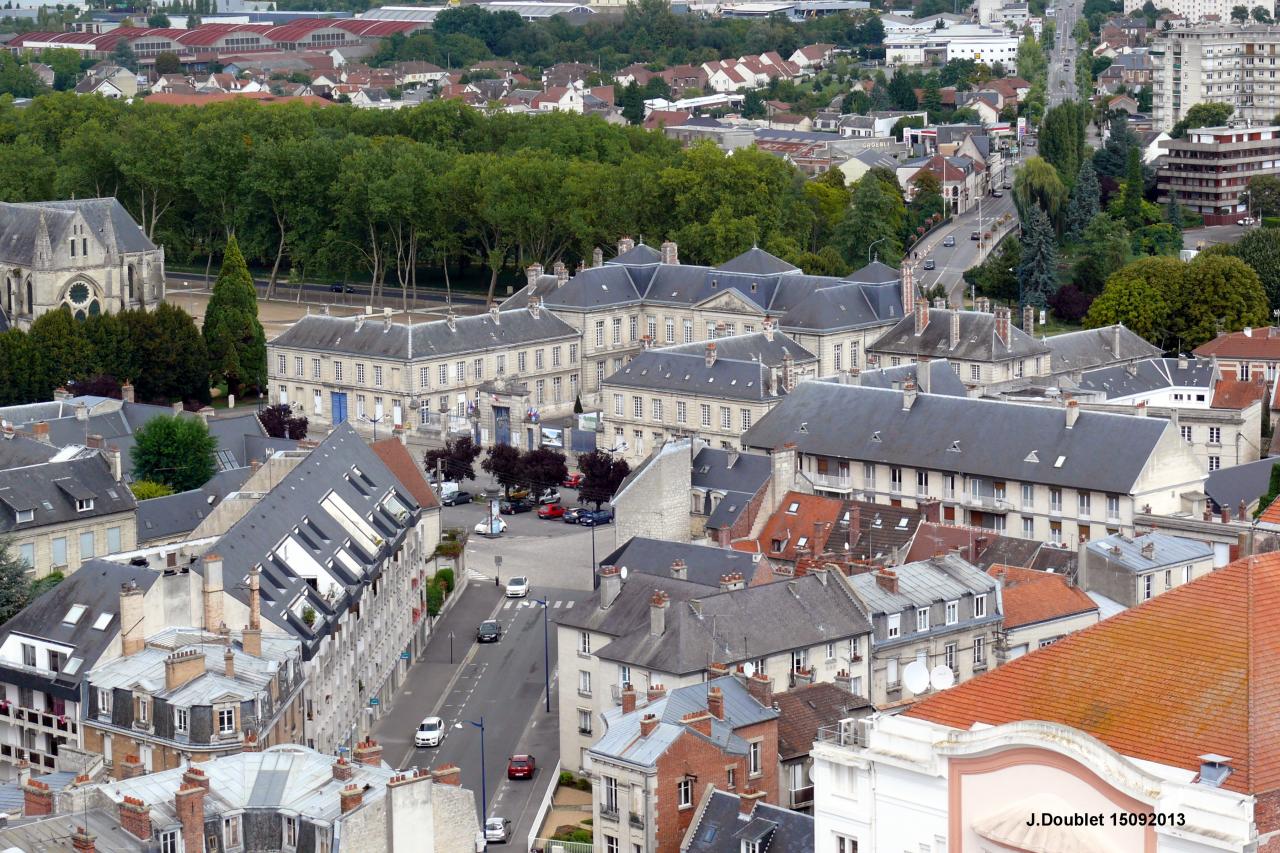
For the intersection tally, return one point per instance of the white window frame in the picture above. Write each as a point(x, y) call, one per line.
point(979, 606)
point(223, 727)
point(922, 619)
point(894, 628)
point(182, 720)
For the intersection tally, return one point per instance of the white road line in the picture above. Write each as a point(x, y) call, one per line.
point(568, 605)
point(507, 605)
point(558, 603)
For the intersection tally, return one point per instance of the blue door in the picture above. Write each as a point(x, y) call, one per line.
point(501, 425)
point(339, 403)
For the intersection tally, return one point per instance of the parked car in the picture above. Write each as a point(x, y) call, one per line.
point(341, 288)
point(489, 631)
point(517, 587)
point(497, 830)
point(430, 732)
point(492, 527)
point(455, 498)
point(574, 515)
point(1008, 185)
point(997, 194)
point(595, 518)
point(518, 494)
point(929, 264)
point(520, 766)
point(551, 511)
point(548, 496)
point(949, 241)
point(975, 235)
point(573, 481)
point(514, 507)
point(1248, 220)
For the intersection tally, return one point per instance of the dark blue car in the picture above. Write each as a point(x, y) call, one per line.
point(594, 518)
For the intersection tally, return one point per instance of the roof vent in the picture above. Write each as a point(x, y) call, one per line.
point(1214, 769)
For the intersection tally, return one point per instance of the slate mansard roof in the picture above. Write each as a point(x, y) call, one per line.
point(977, 340)
point(50, 491)
point(742, 370)
point(1151, 375)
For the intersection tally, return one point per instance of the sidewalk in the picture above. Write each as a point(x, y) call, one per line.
point(429, 678)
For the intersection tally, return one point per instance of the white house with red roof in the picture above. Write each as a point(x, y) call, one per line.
point(812, 56)
point(1151, 732)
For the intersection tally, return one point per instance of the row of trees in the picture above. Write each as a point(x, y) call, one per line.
point(536, 469)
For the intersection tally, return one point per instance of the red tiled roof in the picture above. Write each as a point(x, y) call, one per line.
point(1030, 596)
point(1235, 394)
point(790, 526)
point(674, 118)
point(1270, 515)
point(1259, 343)
point(801, 712)
point(933, 539)
point(1193, 671)
point(400, 462)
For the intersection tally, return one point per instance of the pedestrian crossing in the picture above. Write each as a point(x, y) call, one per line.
point(472, 574)
point(555, 605)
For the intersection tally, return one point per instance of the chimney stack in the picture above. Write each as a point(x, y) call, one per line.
point(535, 306)
point(647, 724)
point(732, 580)
point(679, 570)
point(494, 314)
point(211, 590)
point(447, 774)
point(343, 771)
point(597, 257)
point(83, 841)
point(760, 686)
point(135, 818)
point(982, 304)
point(711, 354)
point(699, 721)
point(669, 253)
point(1029, 319)
point(655, 692)
point(562, 273)
point(768, 328)
point(747, 800)
point(131, 618)
point(368, 752)
point(940, 302)
point(114, 461)
point(40, 432)
point(350, 798)
point(126, 392)
point(1115, 340)
point(715, 702)
point(82, 411)
point(189, 804)
point(251, 637)
point(626, 244)
point(532, 273)
point(658, 613)
point(37, 799)
point(908, 395)
point(908, 291)
point(610, 585)
point(922, 317)
point(887, 580)
point(182, 666)
point(628, 698)
point(1073, 413)
point(1002, 327)
point(229, 664)
point(954, 336)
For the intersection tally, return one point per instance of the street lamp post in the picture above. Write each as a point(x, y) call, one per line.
point(546, 650)
point(873, 244)
point(484, 785)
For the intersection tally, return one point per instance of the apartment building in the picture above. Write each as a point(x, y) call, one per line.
point(1248, 353)
point(715, 390)
point(656, 756)
point(1058, 474)
point(662, 632)
point(1230, 63)
point(1039, 608)
point(643, 293)
point(1132, 569)
point(1191, 10)
point(959, 41)
point(1209, 169)
point(943, 611)
point(493, 375)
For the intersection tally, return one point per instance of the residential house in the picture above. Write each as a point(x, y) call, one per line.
point(565, 74)
point(1055, 475)
point(812, 56)
point(799, 529)
point(962, 180)
point(59, 514)
point(172, 518)
point(984, 350)
point(1132, 569)
point(701, 564)
point(943, 611)
point(1239, 487)
point(802, 714)
point(1086, 725)
point(109, 82)
point(190, 695)
point(1039, 609)
point(654, 756)
point(1072, 353)
point(416, 73)
point(44, 72)
point(730, 822)
point(649, 632)
point(718, 388)
point(1246, 354)
point(490, 375)
point(88, 255)
point(282, 798)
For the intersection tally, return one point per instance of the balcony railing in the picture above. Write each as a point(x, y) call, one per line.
point(832, 482)
point(800, 797)
point(989, 503)
point(850, 733)
point(609, 813)
point(635, 820)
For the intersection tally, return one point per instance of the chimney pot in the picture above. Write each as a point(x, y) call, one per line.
point(369, 753)
point(350, 798)
point(647, 724)
point(715, 702)
point(610, 585)
point(447, 774)
point(628, 698)
point(679, 570)
point(711, 354)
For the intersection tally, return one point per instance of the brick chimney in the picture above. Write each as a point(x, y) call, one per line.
point(94, 442)
point(716, 669)
point(251, 637)
point(747, 800)
point(711, 354)
point(761, 687)
point(449, 774)
point(211, 589)
point(930, 509)
point(715, 702)
point(647, 724)
point(1029, 319)
point(1073, 413)
point(679, 570)
point(1002, 327)
point(562, 273)
point(40, 431)
point(733, 580)
point(628, 698)
point(229, 664)
point(532, 273)
point(368, 752)
point(610, 585)
point(113, 460)
point(658, 613)
point(908, 291)
point(699, 721)
point(83, 841)
point(670, 254)
point(343, 770)
point(887, 579)
point(189, 804)
point(182, 666)
point(131, 767)
point(597, 257)
point(37, 799)
point(655, 692)
point(135, 818)
point(922, 317)
point(126, 392)
point(131, 615)
point(350, 798)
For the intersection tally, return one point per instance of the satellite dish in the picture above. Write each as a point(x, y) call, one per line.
point(748, 669)
point(624, 573)
point(941, 677)
point(916, 676)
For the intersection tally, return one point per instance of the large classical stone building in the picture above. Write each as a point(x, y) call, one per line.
point(88, 255)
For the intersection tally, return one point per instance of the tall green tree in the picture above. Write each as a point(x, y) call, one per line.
point(1086, 198)
point(1131, 204)
point(1037, 184)
point(1104, 249)
point(633, 103)
point(1141, 296)
point(1062, 139)
point(1263, 195)
point(1173, 213)
point(874, 225)
point(174, 450)
point(1205, 114)
point(1038, 272)
point(15, 583)
point(1217, 293)
point(1260, 249)
point(502, 462)
point(234, 337)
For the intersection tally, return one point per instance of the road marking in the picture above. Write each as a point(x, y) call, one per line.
point(507, 605)
point(567, 606)
point(558, 603)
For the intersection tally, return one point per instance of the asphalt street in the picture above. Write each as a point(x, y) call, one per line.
point(951, 262)
point(1062, 59)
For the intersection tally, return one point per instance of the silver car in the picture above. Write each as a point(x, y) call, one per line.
point(497, 829)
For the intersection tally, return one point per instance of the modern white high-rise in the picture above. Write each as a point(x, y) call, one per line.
point(1192, 10)
point(1233, 64)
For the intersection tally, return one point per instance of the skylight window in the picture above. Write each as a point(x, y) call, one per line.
point(902, 524)
point(72, 666)
point(792, 507)
point(1060, 460)
point(101, 623)
point(73, 614)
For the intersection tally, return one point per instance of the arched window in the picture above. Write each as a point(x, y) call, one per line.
point(31, 302)
point(130, 274)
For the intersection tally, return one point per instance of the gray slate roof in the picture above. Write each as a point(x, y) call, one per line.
point(922, 583)
point(50, 490)
point(96, 586)
point(630, 611)
point(942, 379)
point(705, 564)
point(756, 261)
point(977, 340)
point(1091, 348)
point(174, 515)
point(622, 738)
point(766, 620)
point(1150, 375)
point(742, 369)
point(110, 223)
point(376, 338)
point(1169, 551)
point(18, 451)
point(722, 829)
point(1247, 482)
point(1008, 441)
point(739, 476)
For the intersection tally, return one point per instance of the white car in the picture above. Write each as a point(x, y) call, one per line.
point(497, 829)
point(430, 732)
point(496, 527)
point(1248, 220)
point(517, 587)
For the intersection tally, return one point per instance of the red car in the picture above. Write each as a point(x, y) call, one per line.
point(573, 481)
point(520, 767)
point(551, 511)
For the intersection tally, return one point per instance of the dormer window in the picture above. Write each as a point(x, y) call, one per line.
point(84, 504)
point(24, 515)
